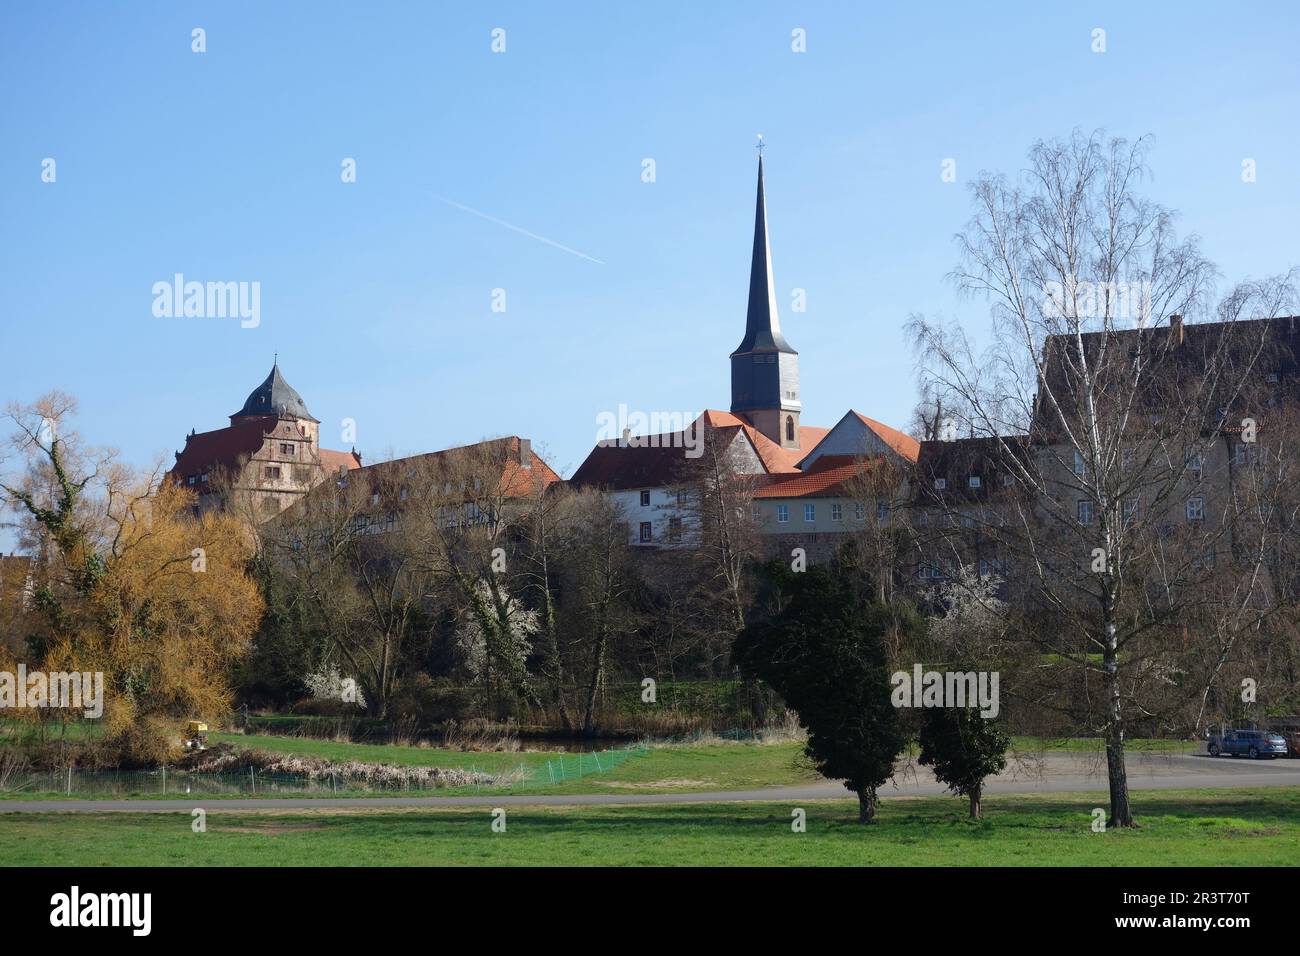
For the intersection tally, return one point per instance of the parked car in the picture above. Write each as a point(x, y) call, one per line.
point(1292, 738)
point(1247, 743)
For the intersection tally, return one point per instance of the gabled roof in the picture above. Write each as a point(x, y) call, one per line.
point(776, 460)
point(334, 461)
point(659, 460)
point(508, 453)
point(622, 467)
point(827, 479)
point(222, 447)
point(905, 445)
point(1174, 355)
point(274, 396)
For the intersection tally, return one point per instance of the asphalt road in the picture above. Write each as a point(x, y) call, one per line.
point(1050, 773)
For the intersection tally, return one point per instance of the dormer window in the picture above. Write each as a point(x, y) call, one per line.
point(974, 481)
point(940, 484)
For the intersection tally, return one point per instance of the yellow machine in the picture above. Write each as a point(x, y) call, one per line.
point(196, 735)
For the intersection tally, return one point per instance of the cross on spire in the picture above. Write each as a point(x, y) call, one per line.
point(760, 145)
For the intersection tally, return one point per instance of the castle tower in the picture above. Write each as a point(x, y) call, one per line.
point(764, 368)
point(277, 397)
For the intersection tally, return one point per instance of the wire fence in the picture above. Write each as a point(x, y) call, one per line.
point(556, 770)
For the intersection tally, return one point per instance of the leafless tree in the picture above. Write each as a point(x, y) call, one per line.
point(1108, 534)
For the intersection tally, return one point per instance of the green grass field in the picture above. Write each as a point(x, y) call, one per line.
point(661, 769)
point(733, 766)
point(1258, 827)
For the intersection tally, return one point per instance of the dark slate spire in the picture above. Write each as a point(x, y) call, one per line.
point(275, 396)
point(764, 369)
point(762, 326)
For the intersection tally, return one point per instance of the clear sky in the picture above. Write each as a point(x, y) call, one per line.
point(377, 295)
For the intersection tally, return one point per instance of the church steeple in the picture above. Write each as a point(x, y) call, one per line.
point(762, 325)
point(764, 368)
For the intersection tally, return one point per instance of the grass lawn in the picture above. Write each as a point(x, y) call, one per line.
point(732, 766)
point(1258, 827)
point(729, 766)
point(662, 769)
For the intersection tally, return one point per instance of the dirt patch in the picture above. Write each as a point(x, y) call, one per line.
point(654, 784)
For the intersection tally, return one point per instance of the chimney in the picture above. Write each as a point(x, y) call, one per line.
point(525, 453)
point(1176, 330)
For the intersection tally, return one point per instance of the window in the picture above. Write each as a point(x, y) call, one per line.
point(1078, 464)
point(271, 472)
point(940, 483)
point(645, 499)
point(1195, 508)
point(1196, 465)
point(789, 428)
point(645, 532)
point(859, 512)
point(882, 509)
point(374, 498)
point(286, 447)
point(1272, 378)
point(782, 513)
point(204, 478)
point(809, 512)
point(1130, 510)
point(401, 495)
point(191, 480)
point(681, 499)
point(974, 481)
point(674, 529)
point(1244, 454)
point(1084, 510)
point(837, 512)
point(1007, 480)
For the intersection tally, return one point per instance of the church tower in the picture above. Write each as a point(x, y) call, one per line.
point(764, 368)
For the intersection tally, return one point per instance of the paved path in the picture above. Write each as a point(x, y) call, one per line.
point(1051, 773)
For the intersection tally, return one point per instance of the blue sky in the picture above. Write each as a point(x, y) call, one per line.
point(225, 166)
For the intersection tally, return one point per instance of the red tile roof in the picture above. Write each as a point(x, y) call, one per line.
point(826, 479)
point(516, 481)
point(905, 445)
point(335, 460)
point(776, 460)
point(659, 460)
point(222, 447)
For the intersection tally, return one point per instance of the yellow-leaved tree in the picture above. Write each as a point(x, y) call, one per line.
point(132, 583)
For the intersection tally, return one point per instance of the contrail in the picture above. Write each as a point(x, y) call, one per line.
point(521, 231)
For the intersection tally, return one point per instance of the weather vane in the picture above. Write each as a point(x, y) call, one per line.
point(760, 145)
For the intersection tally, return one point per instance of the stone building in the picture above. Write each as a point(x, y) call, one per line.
point(265, 459)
